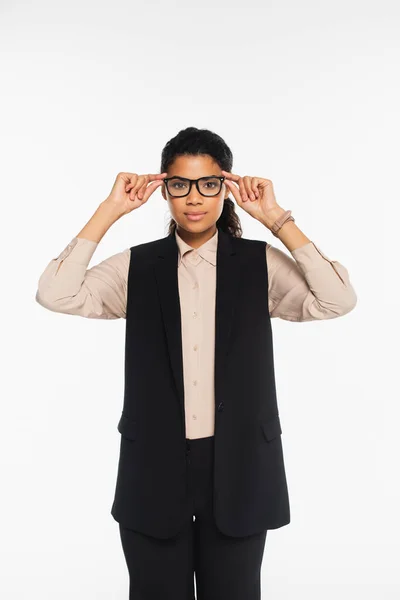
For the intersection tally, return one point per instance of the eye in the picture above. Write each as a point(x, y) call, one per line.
point(210, 184)
point(177, 184)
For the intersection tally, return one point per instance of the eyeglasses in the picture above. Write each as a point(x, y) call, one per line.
point(181, 186)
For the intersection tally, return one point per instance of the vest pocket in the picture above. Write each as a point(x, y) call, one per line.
point(271, 428)
point(127, 427)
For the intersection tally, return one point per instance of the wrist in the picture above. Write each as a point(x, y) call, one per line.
point(99, 223)
point(269, 218)
point(109, 211)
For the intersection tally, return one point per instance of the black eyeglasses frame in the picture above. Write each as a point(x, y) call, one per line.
point(196, 181)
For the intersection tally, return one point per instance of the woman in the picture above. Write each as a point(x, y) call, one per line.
point(201, 476)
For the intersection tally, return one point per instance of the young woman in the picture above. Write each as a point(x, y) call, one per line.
point(201, 476)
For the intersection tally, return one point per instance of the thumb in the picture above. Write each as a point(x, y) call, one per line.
point(150, 189)
point(235, 191)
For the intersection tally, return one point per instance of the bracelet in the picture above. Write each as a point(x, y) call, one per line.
point(286, 216)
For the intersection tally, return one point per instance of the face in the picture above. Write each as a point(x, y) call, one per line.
point(194, 167)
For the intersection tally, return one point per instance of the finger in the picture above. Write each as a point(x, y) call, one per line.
point(143, 187)
point(242, 189)
point(151, 177)
point(132, 178)
point(247, 186)
point(137, 186)
point(254, 186)
point(157, 176)
point(231, 175)
point(235, 191)
point(150, 189)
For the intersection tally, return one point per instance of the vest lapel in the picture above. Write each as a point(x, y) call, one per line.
point(227, 283)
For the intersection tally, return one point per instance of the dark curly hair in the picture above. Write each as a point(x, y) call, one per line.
point(194, 141)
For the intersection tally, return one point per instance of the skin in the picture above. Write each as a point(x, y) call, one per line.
point(195, 233)
point(255, 195)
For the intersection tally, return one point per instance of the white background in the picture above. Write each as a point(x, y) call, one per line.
point(305, 94)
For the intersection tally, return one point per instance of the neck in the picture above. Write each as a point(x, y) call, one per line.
point(196, 239)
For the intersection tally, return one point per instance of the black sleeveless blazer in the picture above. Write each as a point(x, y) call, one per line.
point(250, 488)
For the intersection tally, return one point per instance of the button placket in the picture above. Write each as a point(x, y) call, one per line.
point(192, 333)
point(196, 358)
point(195, 333)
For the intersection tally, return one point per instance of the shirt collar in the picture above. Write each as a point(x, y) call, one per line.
point(208, 250)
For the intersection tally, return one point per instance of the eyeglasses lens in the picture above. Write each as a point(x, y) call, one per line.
point(209, 186)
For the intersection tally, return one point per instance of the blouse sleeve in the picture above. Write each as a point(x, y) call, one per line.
point(308, 286)
point(68, 286)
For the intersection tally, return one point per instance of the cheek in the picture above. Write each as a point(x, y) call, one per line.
point(176, 206)
point(220, 205)
point(215, 211)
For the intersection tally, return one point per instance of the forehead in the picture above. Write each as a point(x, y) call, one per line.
point(194, 166)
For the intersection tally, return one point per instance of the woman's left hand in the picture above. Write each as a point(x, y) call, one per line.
point(256, 196)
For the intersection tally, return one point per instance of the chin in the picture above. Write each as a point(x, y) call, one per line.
point(196, 227)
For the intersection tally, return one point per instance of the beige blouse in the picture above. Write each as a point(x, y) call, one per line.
point(310, 287)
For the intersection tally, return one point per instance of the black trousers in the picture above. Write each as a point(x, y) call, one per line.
point(224, 567)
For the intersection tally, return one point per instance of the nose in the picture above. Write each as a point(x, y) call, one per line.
point(194, 196)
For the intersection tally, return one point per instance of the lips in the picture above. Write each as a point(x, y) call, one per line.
point(195, 216)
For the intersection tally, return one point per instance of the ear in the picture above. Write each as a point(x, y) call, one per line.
point(163, 191)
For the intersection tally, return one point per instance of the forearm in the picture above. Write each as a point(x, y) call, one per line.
point(309, 287)
point(289, 234)
point(101, 221)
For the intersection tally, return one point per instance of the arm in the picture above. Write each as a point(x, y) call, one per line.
point(311, 286)
point(68, 286)
point(308, 287)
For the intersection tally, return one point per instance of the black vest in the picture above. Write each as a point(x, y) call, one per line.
point(250, 488)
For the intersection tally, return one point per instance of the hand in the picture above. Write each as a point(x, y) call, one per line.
point(256, 196)
point(130, 191)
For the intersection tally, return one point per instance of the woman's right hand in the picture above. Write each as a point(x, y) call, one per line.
point(131, 190)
